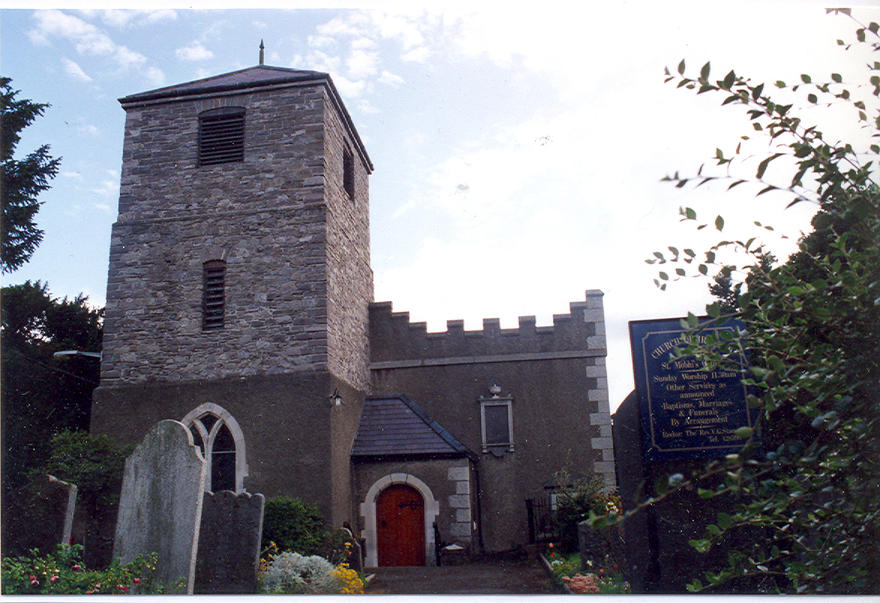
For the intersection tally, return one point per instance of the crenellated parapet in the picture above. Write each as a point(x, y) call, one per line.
point(395, 341)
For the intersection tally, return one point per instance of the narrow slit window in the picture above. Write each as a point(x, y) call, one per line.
point(348, 172)
point(213, 294)
point(221, 136)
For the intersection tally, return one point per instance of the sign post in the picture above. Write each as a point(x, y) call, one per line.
point(687, 411)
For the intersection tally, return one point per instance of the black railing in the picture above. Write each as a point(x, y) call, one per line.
point(542, 521)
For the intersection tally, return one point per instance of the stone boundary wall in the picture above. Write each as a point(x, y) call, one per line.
point(398, 343)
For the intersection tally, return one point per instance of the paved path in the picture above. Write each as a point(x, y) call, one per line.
point(503, 577)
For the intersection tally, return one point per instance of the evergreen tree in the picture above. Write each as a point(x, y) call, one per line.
point(23, 180)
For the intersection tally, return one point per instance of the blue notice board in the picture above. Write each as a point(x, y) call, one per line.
point(686, 410)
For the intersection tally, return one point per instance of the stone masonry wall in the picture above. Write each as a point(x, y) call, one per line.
point(265, 216)
point(349, 276)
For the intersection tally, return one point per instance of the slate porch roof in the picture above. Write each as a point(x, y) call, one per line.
point(394, 425)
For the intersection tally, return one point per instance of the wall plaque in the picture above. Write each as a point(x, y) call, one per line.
point(686, 410)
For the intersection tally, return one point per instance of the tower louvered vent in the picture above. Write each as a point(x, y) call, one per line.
point(221, 136)
point(213, 294)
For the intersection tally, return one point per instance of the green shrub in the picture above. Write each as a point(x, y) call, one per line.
point(65, 573)
point(93, 462)
point(294, 525)
point(574, 502)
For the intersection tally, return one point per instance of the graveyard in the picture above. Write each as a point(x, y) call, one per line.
point(262, 425)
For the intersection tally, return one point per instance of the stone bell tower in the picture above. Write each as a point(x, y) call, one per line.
point(239, 280)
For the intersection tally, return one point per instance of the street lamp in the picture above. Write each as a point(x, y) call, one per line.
point(66, 353)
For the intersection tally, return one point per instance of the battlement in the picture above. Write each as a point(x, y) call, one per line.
point(580, 333)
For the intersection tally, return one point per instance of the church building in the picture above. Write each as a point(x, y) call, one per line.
point(240, 302)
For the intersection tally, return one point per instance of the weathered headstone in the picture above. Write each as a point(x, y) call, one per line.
point(160, 508)
point(229, 543)
point(39, 515)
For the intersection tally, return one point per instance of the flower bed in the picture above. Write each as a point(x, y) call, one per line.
point(292, 573)
point(565, 571)
point(65, 573)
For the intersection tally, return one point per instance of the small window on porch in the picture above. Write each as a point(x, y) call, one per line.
point(496, 421)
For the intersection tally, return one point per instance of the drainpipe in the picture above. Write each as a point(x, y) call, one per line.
point(479, 507)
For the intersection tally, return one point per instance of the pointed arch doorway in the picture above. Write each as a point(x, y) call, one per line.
point(400, 523)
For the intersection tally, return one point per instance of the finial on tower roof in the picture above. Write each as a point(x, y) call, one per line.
point(262, 51)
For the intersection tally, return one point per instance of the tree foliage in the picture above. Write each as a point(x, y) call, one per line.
point(95, 463)
point(23, 179)
point(41, 395)
point(812, 336)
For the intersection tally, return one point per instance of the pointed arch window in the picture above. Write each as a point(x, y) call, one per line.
point(219, 437)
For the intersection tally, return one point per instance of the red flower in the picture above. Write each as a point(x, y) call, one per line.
point(122, 588)
point(54, 579)
point(137, 580)
point(76, 568)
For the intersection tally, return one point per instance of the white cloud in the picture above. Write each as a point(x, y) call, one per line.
point(87, 38)
point(89, 130)
point(193, 52)
point(123, 18)
point(365, 106)
point(362, 64)
point(117, 18)
point(72, 69)
point(108, 188)
point(155, 76)
point(349, 88)
point(390, 79)
point(417, 55)
point(71, 174)
point(154, 16)
point(321, 41)
point(406, 28)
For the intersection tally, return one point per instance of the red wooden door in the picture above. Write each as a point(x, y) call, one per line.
point(400, 523)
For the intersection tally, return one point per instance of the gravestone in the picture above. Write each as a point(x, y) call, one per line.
point(229, 543)
point(39, 515)
point(160, 507)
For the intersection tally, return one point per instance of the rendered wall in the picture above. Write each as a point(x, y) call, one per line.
point(556, 376)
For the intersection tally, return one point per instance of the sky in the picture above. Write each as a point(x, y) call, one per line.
point(518, 153)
